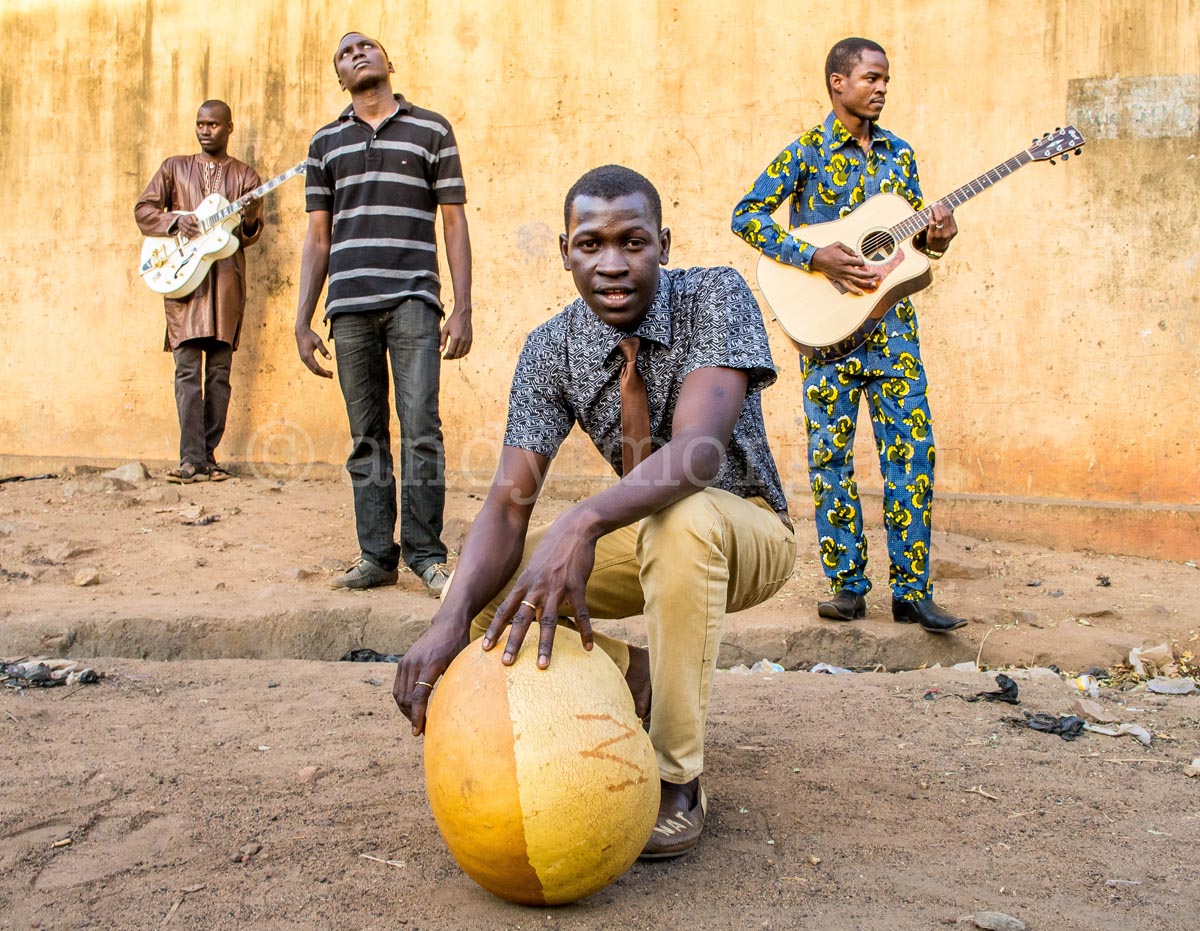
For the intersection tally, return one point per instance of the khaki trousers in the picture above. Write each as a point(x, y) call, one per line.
point(684, 568)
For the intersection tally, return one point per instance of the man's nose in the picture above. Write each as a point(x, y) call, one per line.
point(612, 261)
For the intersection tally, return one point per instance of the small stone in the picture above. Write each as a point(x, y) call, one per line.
point(957, 567)
point(308, 774)
point(965, 667)
point(66, 549)
point(297, 574)
point(813, 859)
point(87, 576)
point(998, 921)
point(1193, 771)
point(1094, 711)
point(192, 513)
point(159, 494)
point(133, 473)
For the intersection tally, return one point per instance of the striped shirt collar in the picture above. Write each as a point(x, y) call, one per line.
point(403, 105)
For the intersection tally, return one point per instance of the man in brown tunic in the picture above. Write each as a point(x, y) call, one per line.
point(203, 327)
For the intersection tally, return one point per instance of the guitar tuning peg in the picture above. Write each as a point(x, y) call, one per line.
point(1035, 140)
point(1079, 151)
point(1058, 129)
point(1066, 156)
point(1051, 161)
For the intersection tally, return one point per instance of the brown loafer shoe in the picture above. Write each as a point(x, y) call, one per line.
point(678, 832)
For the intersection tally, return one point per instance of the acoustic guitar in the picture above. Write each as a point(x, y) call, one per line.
point(825, 319)
point(174, 266)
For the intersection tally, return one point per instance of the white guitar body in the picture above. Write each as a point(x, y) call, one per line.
point(174, 266)
point(820, 315)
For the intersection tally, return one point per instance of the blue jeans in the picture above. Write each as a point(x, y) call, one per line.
point(409, 334)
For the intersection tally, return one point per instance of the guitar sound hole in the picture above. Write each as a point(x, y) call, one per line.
point(878, 246)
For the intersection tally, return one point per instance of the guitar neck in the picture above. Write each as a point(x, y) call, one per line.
point(919, 220)
point(258, 192)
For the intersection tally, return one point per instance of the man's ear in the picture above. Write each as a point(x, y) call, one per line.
point(566, 253)
point(391, 67)
point(664, 245)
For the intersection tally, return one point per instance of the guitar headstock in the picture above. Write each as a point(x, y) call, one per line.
point(1060, 142)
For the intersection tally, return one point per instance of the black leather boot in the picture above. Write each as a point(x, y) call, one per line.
point(844, 606)
point(926, 613)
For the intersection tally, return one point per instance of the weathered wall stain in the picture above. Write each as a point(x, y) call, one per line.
point(1061, 333)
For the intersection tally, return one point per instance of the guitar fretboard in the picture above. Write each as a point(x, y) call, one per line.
point(919, 220)
point(258, 192)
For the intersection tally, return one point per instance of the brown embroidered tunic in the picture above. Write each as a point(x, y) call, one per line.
point(215, 308)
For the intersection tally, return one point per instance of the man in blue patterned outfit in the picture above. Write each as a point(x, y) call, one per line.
point(827, 173)
point(662, 369)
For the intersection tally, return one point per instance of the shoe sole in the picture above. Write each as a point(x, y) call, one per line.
point(930, 630)
point(944, 630)
point(353, 587)
point(830, 613)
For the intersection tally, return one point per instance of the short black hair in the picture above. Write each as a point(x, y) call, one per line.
point(355, 32)
point(846, 54)
point(217, 105)
point(608, 182)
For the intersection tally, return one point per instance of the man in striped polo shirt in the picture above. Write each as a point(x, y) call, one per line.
point(376, 178)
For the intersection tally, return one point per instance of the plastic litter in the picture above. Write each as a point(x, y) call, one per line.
point(1068, 727)
point(364, 655)
point(832, 670)
point(1161, 685)
point(1194, 770)
point(1089, 685)
point(765, 665)
point(46, 674)
point(1008, 692)
point(1135, 731)
point(1152, 661)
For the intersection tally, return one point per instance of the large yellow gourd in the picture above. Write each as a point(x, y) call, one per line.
point(542, 782)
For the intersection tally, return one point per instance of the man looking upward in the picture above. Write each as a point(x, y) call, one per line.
point(377, 176)
point(826, 173)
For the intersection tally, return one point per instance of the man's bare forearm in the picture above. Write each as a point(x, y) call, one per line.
point(314, 267)
point(489, 558)
point(458, 254)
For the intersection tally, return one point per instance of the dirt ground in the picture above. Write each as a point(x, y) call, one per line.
point(837, 802)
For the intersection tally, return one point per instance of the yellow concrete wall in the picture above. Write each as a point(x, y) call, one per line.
point(1060, 335)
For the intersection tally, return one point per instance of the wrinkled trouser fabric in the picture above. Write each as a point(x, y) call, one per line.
point(684, 568)
point(896, 390)
point(408, 337)
point(202, 368)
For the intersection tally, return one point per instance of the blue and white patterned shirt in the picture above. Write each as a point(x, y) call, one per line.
point(826, 176)
point(570, 368)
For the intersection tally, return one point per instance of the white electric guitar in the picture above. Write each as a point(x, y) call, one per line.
point(174, 266)
point(824, 318)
